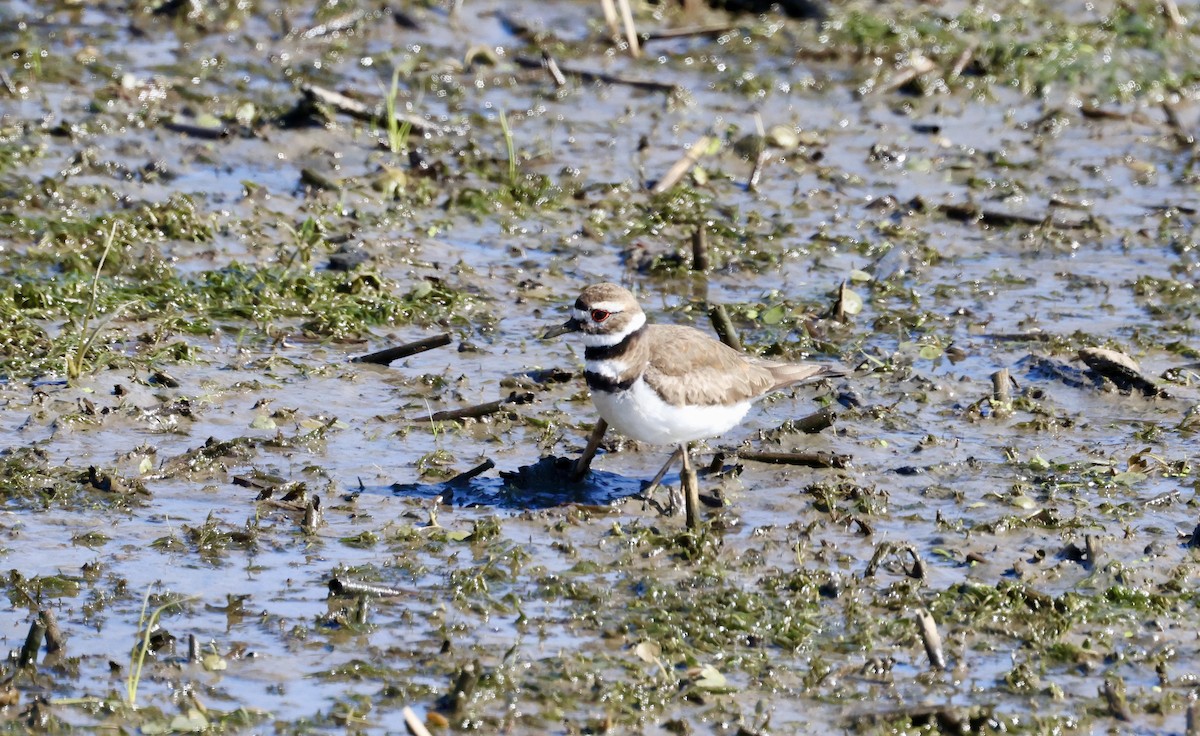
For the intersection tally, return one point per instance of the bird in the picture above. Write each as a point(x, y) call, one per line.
point(669, 384)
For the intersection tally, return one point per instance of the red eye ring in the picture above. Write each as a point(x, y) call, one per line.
point(599, 315)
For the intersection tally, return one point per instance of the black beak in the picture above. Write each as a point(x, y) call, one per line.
point(571, 325)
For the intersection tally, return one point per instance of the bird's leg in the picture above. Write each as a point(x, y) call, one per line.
point(690, 488)
point(649, 490)
point(581, 466)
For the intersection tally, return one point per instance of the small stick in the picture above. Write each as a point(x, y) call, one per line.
point(55, 641)
point(960, 64)
point(1193, 720)
point(724, 326)
point(463, 478)
point(819, 459)
point(341, 23)
point(1175, 19)
point(383, 357)
point(477, 411)
point(700, 249)
point(1182, 136)
point(197, 131)
point(932, 639)
point(414, 724)
point(340, 587)
point(670, 33)
point(1001, 395)
point(33, 642)
point(815, 422)
point(691, 489)
point(312, 515)
point(581, 466)
point(552, 67)
point(361, 111)
point(761, 159)
point(530, 62)
point(683, 165)
point(1113, 691)
point(635, 48)
point(193, 648)
point(1092, 545)
point(756, 173)
point(610, 18)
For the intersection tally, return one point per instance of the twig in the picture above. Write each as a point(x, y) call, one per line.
point(466, 477)
point(1113, 691)
point(362, 111)
point(192, 130)
point(932, 639)
point(552, 67)
point(760, 160)
point(691, 489)
point(724, 326)
point(414, 724)
point(1175, 19)
point(610, 18)
point(530, 62)
point(55, 641)
point(581, 466)
point(631, 37)
point(479, 410)
point(341, 23)
point(815, 422)
point(383, 357)
point(700, 249)
point(1182, 136)
point(340, 587)
point(33, 642)
point(670, 33)
point(818, 459)
point(1001, 393)
point(960, 64)
point(683, 165)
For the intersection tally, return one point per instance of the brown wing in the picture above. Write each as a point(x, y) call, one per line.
point(687, 366)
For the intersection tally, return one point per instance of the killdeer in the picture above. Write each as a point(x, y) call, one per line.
point(668, 384)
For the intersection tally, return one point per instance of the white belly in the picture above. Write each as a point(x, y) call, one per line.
point(641, 415)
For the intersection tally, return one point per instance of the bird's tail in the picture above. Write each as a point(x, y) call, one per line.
point(789, 374)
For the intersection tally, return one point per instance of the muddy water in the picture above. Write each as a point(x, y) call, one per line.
point(552, 589)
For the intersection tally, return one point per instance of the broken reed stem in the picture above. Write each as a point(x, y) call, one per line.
point(610, 18)
point(477, 411)
point(552, 67)
point(55, 641)
point(631, 37)
point(724, 326)
point(700, 249)
point(383, 357)
point(691, 489)
point(683, 165)
point(584, 463)
point(1001, 393)
point(466, 477)
point(340, 587)
point(817, 459)
point(33, 642)
point(414, 724)
point(932, 639)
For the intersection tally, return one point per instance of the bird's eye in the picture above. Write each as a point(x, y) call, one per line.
point(599, 315)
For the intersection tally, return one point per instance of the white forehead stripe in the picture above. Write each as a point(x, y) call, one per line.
point(610, 306)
